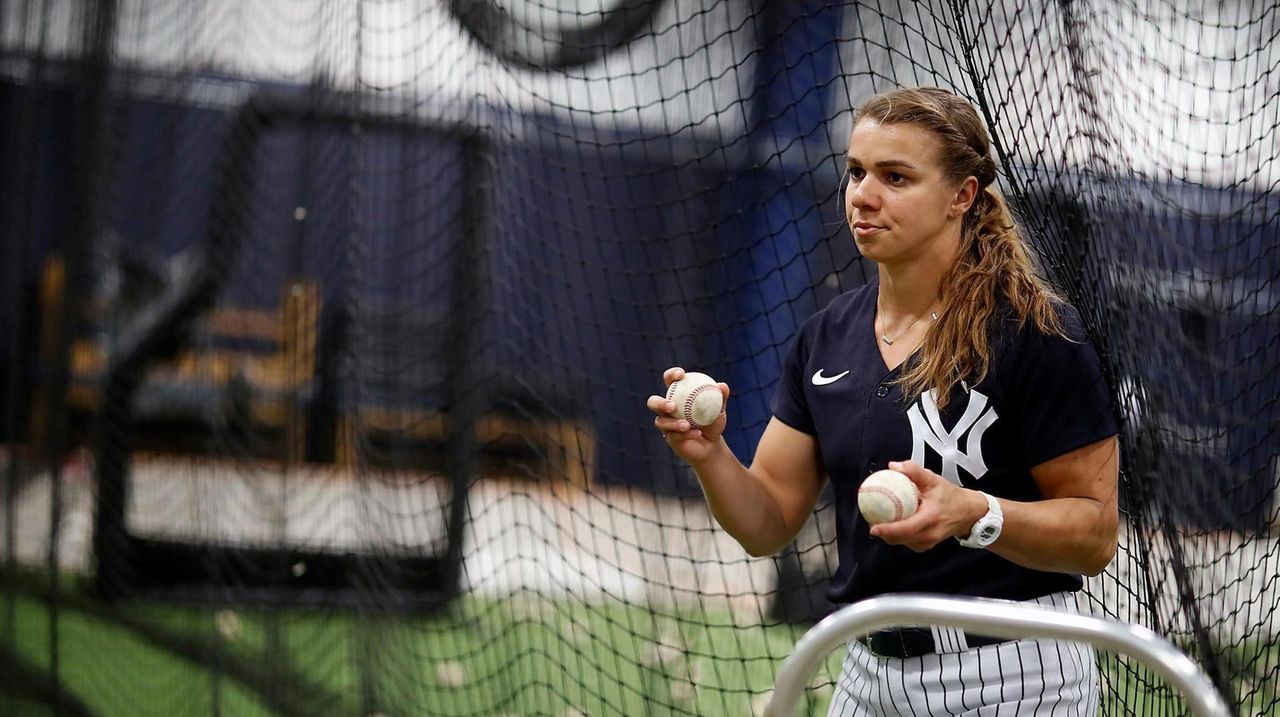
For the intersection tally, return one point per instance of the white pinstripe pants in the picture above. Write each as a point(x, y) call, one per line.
point(1023, 678)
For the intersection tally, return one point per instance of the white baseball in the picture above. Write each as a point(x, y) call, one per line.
point(697, 397)
point(886, 496)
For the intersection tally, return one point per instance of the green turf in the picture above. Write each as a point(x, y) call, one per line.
point(522, 656)
point(113, 671)
point(484, 657)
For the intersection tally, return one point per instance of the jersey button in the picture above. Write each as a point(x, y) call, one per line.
point(882, 391)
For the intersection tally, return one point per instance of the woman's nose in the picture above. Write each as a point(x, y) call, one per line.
point(860, 193)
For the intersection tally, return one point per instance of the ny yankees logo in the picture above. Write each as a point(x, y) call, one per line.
point(927, 429)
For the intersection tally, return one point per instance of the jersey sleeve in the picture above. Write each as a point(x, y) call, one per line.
point(789, 403)
point(1063, 397)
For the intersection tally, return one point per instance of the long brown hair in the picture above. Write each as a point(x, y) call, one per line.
point(994, 260)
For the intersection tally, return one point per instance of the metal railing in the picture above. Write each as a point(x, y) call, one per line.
point(998, 618)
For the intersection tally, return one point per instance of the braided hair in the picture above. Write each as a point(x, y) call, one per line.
point(994, 262)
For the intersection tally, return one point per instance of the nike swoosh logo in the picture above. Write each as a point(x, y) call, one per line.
point(820, 380)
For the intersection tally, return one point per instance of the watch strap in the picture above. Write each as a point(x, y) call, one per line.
point(987, 528)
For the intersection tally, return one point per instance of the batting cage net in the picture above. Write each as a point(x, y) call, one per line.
point(328, 329)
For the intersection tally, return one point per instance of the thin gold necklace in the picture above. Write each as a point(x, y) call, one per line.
point(933, 315)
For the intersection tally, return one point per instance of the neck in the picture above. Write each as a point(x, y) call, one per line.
point(909, 287)
point(908, 291)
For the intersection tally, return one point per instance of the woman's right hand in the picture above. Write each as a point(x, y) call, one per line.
point(690, 443)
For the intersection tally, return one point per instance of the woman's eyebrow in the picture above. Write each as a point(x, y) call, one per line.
point(883, 164)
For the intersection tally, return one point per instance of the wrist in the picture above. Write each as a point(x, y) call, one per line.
point(975, 506)
point(716, 453)
point(987, 528)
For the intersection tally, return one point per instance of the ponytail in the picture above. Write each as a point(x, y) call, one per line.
point(993, 264)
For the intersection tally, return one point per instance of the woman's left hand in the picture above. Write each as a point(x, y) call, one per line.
point(946, 510)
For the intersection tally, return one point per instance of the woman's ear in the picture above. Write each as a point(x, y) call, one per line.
point(966, 194)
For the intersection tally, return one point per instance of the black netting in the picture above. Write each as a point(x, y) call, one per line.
point(328, 328)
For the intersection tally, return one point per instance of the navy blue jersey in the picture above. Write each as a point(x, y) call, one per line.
point(1043, 396)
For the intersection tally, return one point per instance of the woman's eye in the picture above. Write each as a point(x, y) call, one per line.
point(855, 173)
point(895, 178)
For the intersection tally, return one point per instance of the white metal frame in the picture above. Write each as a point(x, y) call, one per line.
point(998, 618)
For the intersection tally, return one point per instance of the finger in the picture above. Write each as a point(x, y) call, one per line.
point(899, 531)
point(724, 391)
point(897, 536)
point(673, 374)
point(677, 437)
point(660, 405)
point(921, 476)
point(668, 424)
point(907, 468)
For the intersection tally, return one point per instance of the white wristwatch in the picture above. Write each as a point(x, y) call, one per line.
point(988, 527)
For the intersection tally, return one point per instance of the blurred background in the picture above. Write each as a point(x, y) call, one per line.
point(328, 327)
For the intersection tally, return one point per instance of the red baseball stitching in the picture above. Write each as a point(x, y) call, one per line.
point(900, 509)
point(688, 402)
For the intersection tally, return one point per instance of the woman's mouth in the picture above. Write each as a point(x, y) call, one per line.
point(865, 229)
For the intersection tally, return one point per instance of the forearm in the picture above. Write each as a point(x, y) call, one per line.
point(763, 507)
point(1065, 535)
point(741, 504)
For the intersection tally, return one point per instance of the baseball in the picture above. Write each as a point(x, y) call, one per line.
point(886, 496)
point(698, 400)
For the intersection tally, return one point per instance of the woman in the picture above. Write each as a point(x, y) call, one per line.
point(959, 367)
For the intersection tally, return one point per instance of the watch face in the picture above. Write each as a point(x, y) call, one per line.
point(987, 529)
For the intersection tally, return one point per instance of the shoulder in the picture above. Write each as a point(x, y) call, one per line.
point(1026, 349)
point(1056, 388)
point(1011, 332)
point(1073, 326)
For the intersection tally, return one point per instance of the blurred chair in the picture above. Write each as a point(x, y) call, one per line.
point(373, 434)
point(248, 371)
point(393, 406)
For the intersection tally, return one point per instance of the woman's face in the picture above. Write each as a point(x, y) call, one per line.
point(899, 203)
